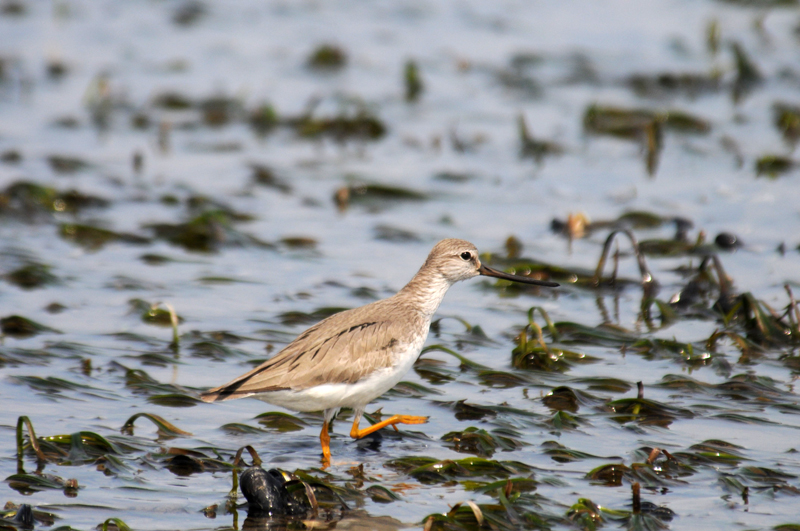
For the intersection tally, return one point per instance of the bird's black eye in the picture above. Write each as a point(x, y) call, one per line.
point(466, 255)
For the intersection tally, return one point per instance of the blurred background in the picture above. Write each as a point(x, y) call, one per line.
point(259, 165)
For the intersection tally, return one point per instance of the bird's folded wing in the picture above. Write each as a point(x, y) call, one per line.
point(339, 349)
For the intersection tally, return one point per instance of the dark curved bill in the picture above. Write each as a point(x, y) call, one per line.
point(489, 272)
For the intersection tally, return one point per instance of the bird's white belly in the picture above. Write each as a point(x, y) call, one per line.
point(355, 395)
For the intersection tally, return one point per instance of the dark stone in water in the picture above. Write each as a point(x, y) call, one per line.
point(727, 241)
point(24, 517)
point(266, 493)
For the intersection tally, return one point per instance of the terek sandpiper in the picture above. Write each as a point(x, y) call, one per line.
point(355, 356)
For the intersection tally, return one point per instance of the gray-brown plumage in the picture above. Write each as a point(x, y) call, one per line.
point(354, 356)
point(343, 348)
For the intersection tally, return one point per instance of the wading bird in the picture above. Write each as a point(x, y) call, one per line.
point(355, 356)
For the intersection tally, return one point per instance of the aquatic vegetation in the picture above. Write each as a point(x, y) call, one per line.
point(30, 201)
point(668, 84)
point(265, 176)
point(413, 81)
point(632, 220)
point(642, 125)
point(361, 125)
point(207, 232)
point(481, 442)
point(19, 326)
point(773, 165)
point(165, 429)
point(280, 421)
point(533, 148)
point(66, 164)
point(31, 276)
point(94, 238)
point(373, 195)
point(220, 110)
point(263, 119)
point(327, 57)
point(303, 318)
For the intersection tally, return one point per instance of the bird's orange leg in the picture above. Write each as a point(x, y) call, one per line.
point(325, 439)
point(356, 433)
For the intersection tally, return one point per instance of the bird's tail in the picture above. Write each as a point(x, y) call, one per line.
point(233, 389)
point(212, 395)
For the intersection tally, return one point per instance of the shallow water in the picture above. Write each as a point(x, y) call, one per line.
point(458, 150)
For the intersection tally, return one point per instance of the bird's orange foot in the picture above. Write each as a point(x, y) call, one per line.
point(410, 419)
point(356, 433)
point(325, 440)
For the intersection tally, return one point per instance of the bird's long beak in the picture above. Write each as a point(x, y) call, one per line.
point(489, 272)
